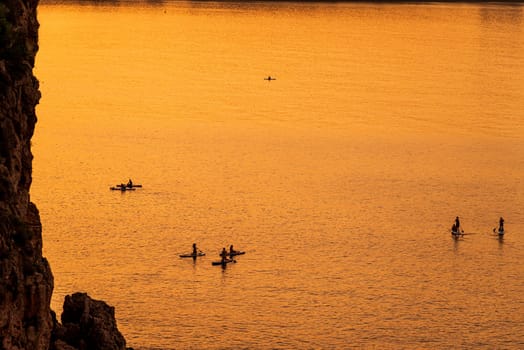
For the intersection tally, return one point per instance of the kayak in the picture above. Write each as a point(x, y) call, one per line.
point(192, 255)
point(127, 186)
point(223, 263)
point(123, 189)
point(235, 253)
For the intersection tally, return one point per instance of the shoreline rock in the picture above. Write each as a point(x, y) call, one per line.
point(87, 324)
point(26, 280)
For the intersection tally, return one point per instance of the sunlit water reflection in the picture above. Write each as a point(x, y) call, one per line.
point(340, 179)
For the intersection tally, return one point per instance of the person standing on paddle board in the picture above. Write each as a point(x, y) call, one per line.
point(457, 224)
point(501, 224)
point(195, 250)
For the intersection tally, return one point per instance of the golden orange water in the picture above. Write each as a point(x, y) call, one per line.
point(340, 179)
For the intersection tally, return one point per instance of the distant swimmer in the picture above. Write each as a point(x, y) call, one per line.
point(269, 78)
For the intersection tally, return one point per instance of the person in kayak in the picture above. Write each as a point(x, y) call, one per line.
point(454, 230)
point(223, 255)
point(130, 184)
point(231, 250)
point(195, 250)
point(501, 224)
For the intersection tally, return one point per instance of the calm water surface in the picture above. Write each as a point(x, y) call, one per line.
point(340, 179)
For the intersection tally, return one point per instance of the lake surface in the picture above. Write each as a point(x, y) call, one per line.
point(340, 179)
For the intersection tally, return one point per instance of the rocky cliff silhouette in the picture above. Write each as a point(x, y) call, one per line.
point(26, 281)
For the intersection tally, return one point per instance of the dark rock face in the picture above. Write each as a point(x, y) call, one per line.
point(87, 324)
point(26, 281)
point(26, 278)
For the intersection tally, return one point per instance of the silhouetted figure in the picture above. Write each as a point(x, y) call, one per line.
point(269, 78)
point(195, 250)
point(457, 223)
point(223, 255)
point(130, 184)
point(501, 224)
point(454, 229)
point(231, 250)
